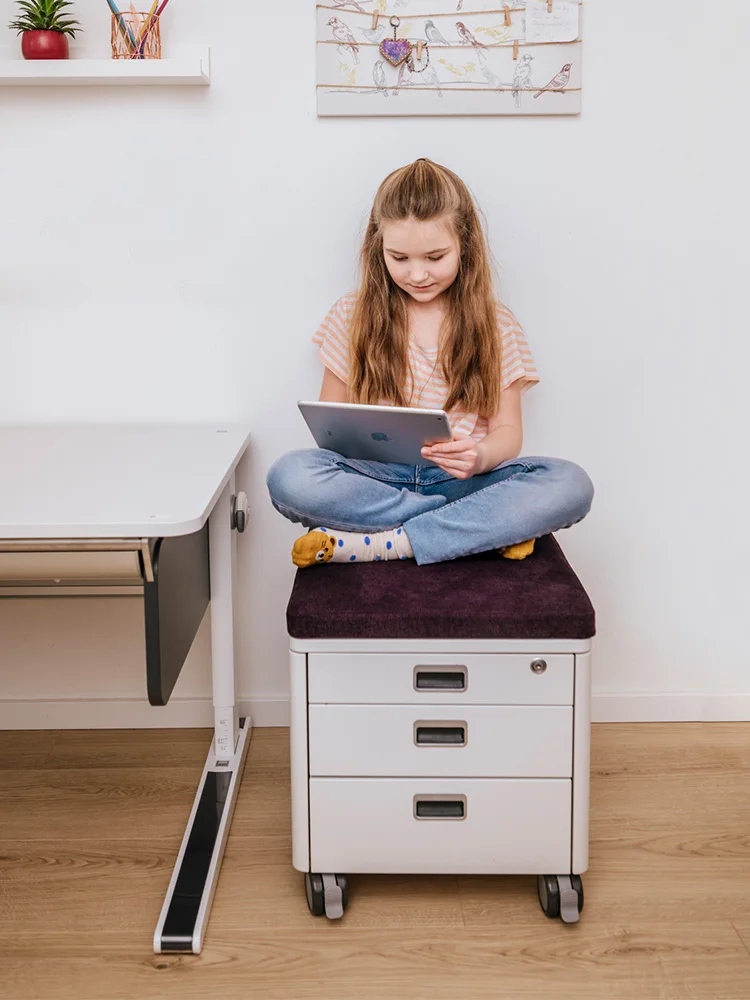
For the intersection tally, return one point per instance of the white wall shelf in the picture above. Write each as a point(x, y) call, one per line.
point(187, 69)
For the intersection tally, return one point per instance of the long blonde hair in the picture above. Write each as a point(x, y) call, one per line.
point(469, 346)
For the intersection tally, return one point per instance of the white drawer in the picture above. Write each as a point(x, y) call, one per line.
point(447, 740)
point(509, 827)
point(437, 678)
point(63, 567)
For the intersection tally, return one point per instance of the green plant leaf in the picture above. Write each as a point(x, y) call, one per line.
point(45, 15)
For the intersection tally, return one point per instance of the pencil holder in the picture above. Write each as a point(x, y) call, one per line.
point(136, 35)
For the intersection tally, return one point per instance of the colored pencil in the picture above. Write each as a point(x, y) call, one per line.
point(135, 27)
point(124, 29)
point(153, 21)
point(145, 28)
point(152, 9)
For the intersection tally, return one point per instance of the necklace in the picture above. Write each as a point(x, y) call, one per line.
point(432, 370)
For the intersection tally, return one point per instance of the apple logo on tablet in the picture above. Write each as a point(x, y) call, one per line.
point(379, 436)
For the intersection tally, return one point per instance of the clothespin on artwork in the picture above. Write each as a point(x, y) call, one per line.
point(508, 18)
point(515, 50)
point(375, 19)
point(420, 46)
point(549, 6)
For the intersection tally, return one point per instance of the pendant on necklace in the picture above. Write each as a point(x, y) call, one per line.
point(395, 50)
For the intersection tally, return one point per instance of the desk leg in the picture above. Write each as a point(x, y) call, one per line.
point(184, 915)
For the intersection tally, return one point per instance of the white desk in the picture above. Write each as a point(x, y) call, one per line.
point(143, 510)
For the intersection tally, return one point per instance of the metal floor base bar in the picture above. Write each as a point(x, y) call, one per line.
point(184, 915)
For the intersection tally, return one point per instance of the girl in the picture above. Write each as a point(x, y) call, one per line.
point(425, 330)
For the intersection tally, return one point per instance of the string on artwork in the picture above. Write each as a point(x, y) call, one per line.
point(352, 10)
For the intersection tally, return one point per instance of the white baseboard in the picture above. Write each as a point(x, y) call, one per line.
point(189, 713)
point(116, 713)
point(669, 706)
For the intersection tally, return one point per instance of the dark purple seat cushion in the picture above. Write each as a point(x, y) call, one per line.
point(480, 597)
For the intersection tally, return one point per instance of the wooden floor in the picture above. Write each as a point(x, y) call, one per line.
point(90, 824)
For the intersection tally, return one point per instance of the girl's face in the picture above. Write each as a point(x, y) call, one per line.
point(422, 257)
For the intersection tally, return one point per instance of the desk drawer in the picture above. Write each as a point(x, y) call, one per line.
point(437, 678)
point(474, 826)
point(67, 567)
point(441, 741)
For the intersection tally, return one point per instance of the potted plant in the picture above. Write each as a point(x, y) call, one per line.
point(44, 25)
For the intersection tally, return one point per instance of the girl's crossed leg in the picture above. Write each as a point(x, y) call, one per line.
point(444, 518)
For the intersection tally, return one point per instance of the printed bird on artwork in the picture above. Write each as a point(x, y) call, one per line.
point(373, 34)
point(490, 79)
point(433, 34)
point(429, 78)
point(558, 81)
point(342, 33)
point(403, 80)
point(378, 76)
point(466, 36)
point(522, 77)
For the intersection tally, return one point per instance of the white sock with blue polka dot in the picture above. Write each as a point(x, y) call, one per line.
point(371, 546)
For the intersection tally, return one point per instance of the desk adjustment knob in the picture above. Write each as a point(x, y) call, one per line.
point(240, 511)
point(538, 666)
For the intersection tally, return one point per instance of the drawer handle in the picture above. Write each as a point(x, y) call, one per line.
point(440, 734)
point(440, 807)
point(538, 666)
point(453, 678)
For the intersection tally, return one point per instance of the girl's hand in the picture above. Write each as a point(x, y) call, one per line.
point(461, 457)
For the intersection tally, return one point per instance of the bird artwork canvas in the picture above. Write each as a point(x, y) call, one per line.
point(448, 57)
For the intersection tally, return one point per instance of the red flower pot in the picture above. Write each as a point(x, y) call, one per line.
point(44, 45)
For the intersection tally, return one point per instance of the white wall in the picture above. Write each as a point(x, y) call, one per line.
point(621, 238)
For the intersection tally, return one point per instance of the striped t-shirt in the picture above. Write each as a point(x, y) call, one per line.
point(427, 387)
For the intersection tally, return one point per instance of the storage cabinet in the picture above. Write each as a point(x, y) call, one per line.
point(466, 760)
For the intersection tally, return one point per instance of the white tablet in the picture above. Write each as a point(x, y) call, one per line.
point(376, 433)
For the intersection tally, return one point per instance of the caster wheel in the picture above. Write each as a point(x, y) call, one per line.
point(343, 883)
point(314, 894)
point(555, 896)
point(577, 882)
point(548, 891)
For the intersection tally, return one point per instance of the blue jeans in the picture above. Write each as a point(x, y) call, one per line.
point(444, 518)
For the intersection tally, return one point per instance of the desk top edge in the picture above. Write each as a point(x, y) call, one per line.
point(191, 517)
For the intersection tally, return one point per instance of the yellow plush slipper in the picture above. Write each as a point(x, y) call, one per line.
point(519, 551)
point(314, 547)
